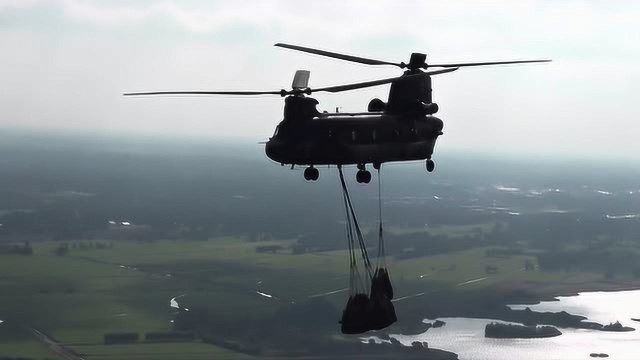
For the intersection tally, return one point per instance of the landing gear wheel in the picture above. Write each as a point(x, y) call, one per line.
point(311, 174)
point(430, 165)
point(367, 177)
point(363, 177)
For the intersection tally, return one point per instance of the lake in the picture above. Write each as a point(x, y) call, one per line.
point(465, 336)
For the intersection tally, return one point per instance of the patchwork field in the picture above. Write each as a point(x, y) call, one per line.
point(77, 298)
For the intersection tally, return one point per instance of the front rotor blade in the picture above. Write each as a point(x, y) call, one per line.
point(443, 71)
point(356, 59)
point(366, 84)
point(281, 92)
point(485, 63)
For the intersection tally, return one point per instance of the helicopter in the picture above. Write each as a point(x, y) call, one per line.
point(402, 129)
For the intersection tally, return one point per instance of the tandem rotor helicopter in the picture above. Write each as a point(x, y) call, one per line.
point(401, 129)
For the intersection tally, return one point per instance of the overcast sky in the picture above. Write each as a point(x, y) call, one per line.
point(65, 63)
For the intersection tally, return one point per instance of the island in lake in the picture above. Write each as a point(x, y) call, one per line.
point(511, 331)
point(616, 326)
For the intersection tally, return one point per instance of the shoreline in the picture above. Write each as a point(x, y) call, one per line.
point(550, 292)
point(598, 335)
point(497, 307)
point(563, 318)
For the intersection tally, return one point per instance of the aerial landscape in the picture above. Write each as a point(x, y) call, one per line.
point(95, 247)
point(438, 180)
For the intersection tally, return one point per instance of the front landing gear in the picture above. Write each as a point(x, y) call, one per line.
point(363, 176)
point(311, 174)
point(430, 165)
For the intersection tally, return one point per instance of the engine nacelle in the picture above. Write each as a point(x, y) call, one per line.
point(376, 105)
point(430, 109)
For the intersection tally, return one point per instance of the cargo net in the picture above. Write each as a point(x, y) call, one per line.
point(370, 292)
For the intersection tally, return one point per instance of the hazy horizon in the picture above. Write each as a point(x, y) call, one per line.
point(255, 147)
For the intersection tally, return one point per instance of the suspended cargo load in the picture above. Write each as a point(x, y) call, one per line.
point(381, 283)
point(383, 313)
point(369, 306)
point(355, 317)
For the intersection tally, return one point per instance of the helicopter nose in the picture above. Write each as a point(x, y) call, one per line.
point(273, 150)
point(437, 124)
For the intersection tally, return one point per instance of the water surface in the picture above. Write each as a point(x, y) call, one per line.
point(466, 336)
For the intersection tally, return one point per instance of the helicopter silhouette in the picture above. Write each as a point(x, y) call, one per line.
point(401, 129)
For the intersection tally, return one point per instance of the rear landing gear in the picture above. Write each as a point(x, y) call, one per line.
point(311, 174)
point(430, 165)
point(363, 176)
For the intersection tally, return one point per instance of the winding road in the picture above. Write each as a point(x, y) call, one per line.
point(55, 346)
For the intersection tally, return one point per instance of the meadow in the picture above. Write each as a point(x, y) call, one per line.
point(78, 298)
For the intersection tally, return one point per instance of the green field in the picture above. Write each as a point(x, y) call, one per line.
point(79, 297)
point(76, 299)
point(188, 351)
point(26, 348)
point(447, 230)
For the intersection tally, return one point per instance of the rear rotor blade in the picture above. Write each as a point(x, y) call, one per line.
point(361, 85)
point(366, 84)
point(334, 55)
point(281, 92)
point(484, 63)
point(301, 79)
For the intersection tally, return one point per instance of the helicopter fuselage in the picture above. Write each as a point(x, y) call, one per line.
point(356, 138)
